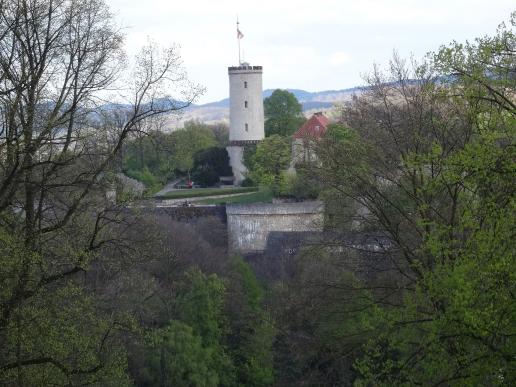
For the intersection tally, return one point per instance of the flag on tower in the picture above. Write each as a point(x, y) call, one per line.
point(240, 35)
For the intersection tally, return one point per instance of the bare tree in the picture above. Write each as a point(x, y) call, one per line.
point(425, 158)
point(58, 60)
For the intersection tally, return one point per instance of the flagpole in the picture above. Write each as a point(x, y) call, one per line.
point(238, 38)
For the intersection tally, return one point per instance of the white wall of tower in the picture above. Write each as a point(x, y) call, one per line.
point(246, 104)
point(245, 115)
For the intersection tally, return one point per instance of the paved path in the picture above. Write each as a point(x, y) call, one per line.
point(195, 200)
point(169, 187)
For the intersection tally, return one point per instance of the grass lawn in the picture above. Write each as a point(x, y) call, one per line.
point(200, 192)
point(262, 196)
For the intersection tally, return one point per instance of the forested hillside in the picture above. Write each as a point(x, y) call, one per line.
point(104, 292)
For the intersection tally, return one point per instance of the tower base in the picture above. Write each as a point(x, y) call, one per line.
point(236, 160)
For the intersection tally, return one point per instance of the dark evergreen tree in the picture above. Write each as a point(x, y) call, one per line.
point(209, 164)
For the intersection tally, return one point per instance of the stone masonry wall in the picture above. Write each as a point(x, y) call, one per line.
point(249, 225)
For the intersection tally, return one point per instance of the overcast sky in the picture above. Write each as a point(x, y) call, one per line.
point(312, 45)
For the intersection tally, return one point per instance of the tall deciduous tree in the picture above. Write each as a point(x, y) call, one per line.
point(431, 164)
point(202, 327)
point(251, 334)
point(58, 60)
point(272, 156)
point(187, 142)
point(283, 113)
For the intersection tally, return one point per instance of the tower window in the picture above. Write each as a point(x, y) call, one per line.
point(245, 104)
point(246, 127)
point(245, 84)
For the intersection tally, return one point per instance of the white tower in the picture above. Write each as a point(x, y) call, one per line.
point(245, 114)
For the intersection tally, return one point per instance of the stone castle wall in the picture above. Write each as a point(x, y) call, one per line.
point(249, 225)
point(192, 214)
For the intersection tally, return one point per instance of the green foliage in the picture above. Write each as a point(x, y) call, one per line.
point(192, 349)
point(221, 132)
point(248, 182)
point(340, 133)
point(283, 113)
point(264, 195)
point(221, 335)
point(147, 159)
point(484, 69)
point(252, 335)
point(272, 156)
point(56, 335)
point(298, 185)
point(151, 182)
point(178, 358)
point(432, 165)
point(199, 304)
point(320, 333)
point(453, 195)
point(157, 157)
point(188, 142)
point(252, 291)
point(249, 152)
point(464, 303)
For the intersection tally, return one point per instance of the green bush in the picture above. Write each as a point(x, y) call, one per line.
point(248, 182)
point(298, 186)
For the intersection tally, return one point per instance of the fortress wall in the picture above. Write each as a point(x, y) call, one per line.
point(249, 225)
point(192, 214)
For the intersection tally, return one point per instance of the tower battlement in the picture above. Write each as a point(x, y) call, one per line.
point(245, 68)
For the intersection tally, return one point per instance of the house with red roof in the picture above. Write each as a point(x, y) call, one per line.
point(306, 136)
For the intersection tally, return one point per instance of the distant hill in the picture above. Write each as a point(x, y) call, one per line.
point(302, 96)
point(219, 111)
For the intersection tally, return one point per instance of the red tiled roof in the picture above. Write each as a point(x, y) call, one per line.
point(315, 127)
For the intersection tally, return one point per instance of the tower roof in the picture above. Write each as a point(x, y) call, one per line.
point(315, 127)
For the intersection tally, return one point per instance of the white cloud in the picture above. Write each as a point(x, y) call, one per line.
point(338, 58)
point(303, 43)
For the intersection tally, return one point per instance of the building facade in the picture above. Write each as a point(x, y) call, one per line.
point(305, 138)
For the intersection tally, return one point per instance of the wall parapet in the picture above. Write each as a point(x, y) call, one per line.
point(243, 142)
point(307, 207)
point(245, 68)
